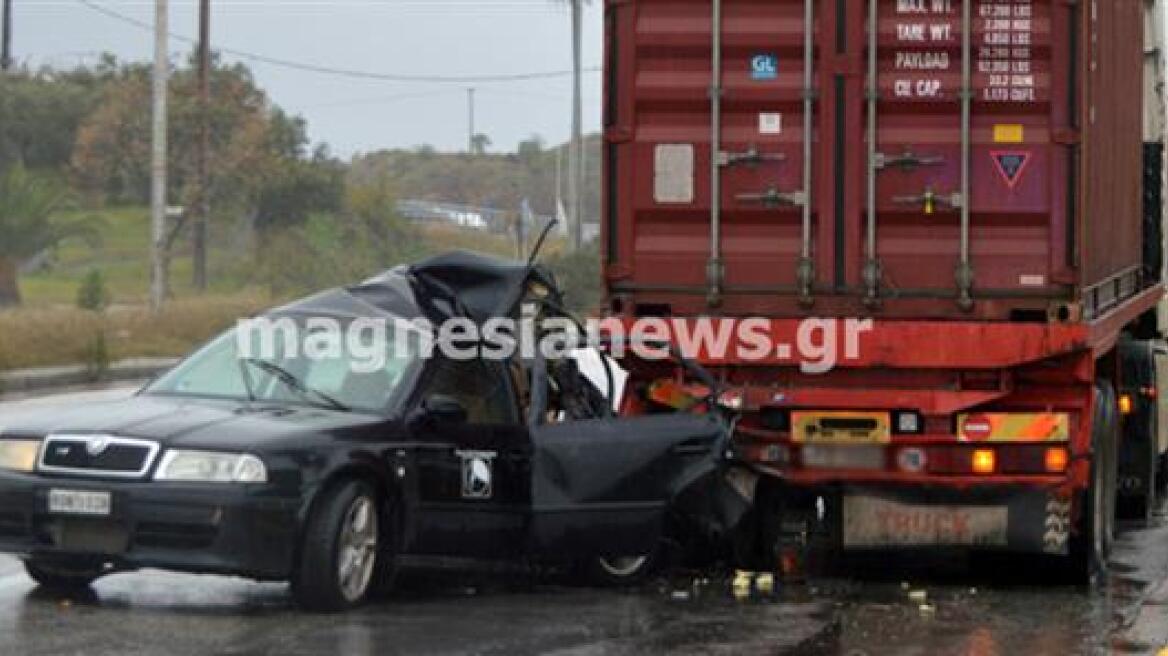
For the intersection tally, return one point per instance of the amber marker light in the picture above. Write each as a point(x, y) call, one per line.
point(1125, 404)
point(1056, 460)
point(984, 461)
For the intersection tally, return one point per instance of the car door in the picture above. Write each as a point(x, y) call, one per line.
point(604, 485)
point(473, 487)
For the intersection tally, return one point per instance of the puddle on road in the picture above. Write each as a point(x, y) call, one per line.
point(982, 605)
point(910, 605)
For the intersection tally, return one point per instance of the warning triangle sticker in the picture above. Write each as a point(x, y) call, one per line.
point(1011, 164)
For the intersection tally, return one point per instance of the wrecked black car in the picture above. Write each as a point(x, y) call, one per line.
point(323, 473)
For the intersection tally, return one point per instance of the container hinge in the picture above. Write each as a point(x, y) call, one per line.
point(772, 197)
point(752, 156)
point(907, 161)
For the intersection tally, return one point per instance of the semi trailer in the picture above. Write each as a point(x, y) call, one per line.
point(977, 184)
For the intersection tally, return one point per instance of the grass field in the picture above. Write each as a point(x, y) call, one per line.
point(34, 337)
point(122, 257)
point(50, 330)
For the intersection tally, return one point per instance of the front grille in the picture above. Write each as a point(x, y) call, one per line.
point(84, 535)
point(173, 535)
point(97, 455)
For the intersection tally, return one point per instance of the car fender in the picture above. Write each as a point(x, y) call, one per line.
point(348, 464)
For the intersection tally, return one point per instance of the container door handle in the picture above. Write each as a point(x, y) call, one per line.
point(930, 200)
point(751, 157)
point(907, 161)
point(772, 197)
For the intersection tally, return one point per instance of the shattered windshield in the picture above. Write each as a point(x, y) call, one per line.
point(300, 364)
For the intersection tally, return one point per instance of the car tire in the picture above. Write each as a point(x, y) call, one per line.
point(341, 558)
point(63, 576)
point(623, 571)
point(1091, 547)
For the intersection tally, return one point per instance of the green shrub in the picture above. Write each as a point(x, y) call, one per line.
point(92, 294)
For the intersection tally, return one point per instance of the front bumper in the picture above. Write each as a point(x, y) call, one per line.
point(215, 529)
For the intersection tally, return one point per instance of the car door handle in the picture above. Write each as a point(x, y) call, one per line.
point(516, 456)
point(692, 448)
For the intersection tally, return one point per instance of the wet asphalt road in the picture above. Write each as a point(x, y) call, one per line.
point(974, 605)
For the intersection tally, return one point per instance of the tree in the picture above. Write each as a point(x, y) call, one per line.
point(30, 221)
point(300, 188)
point(111, 156)
point(41, 112)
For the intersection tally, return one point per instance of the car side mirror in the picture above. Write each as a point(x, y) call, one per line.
point(442, 409)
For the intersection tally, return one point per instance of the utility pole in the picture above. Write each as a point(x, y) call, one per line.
point(203, 156)
point(6, 38)
point(470, 112)
point(159, 283)
point(576, 152)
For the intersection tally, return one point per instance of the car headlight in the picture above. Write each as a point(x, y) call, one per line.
point(211, 467)
point(19, 455)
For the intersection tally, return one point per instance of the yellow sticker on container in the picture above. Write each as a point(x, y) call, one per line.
point(1009, 133)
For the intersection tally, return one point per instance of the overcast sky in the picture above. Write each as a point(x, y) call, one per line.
point(441, 38)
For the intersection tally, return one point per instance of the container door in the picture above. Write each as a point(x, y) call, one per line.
point(965, 193)
point(707, 167)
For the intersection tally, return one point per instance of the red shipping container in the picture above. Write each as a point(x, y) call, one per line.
point(1032, 212)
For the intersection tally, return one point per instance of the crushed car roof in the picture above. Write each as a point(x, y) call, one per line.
point(456, 283)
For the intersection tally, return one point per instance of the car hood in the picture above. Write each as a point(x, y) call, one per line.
point(182, 421)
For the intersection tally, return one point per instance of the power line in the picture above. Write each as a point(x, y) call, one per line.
point(344, 72)
point(383, 100)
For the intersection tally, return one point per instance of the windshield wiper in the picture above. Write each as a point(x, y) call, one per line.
point(295, 384)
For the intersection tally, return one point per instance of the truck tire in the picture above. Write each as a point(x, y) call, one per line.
point(343, 555)
point(1139, 506)
point(63, 576)
point(1091, 547)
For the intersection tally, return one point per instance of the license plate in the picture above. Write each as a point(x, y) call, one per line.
point(843, 456)
point(77, 502)
point(873, 522)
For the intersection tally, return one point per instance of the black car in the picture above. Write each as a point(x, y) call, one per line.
point(305, 470)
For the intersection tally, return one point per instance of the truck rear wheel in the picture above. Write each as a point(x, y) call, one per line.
point(1143, 477)
point(1091, 547)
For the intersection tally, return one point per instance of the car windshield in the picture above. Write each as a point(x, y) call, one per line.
point(300, 363)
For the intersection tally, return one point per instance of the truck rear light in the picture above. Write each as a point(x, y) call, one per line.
point(984, 461)
point(907, 422)
point(1057, 459)
point(770, 454)
point(912, 460)
point(1126, 405)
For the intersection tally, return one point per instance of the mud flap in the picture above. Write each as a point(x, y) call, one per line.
point(1012, 519)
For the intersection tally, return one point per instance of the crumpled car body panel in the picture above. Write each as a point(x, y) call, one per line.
point(609, 486)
